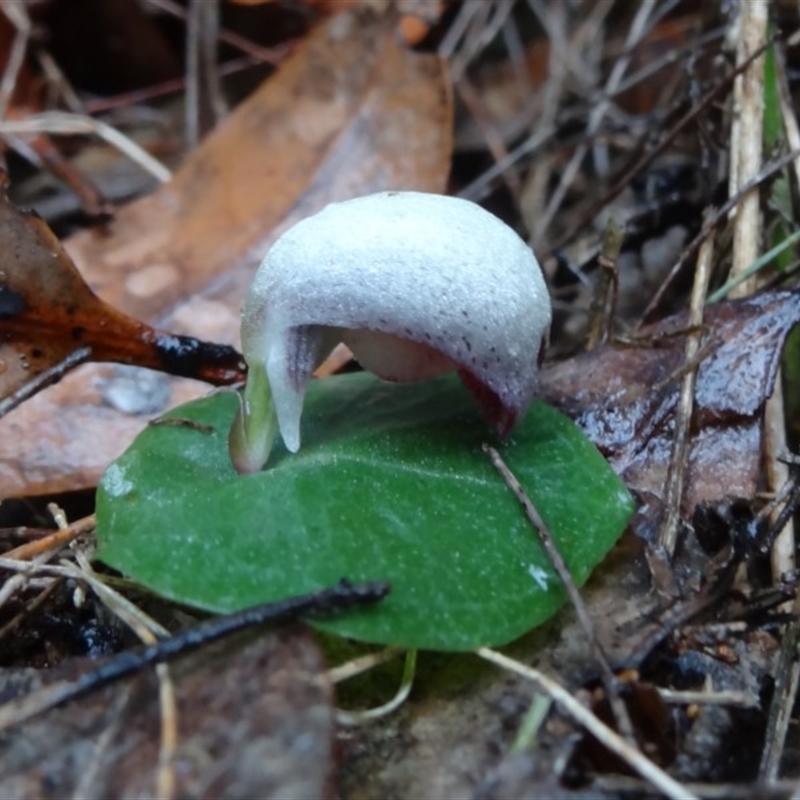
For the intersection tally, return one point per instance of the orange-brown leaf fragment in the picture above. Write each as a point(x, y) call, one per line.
point(50, 320)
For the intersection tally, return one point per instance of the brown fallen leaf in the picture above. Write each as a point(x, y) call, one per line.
point(624, 398)
point(350, 112)
point(255, 719)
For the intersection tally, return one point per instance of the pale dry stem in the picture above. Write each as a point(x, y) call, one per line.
point(673, 492)
point(17, 15)
point(62, 122)
point(610, 682)
point(352, 718)
point(746, 154)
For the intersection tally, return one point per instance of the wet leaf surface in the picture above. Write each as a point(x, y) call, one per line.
point(624, 398)
point(255, 719)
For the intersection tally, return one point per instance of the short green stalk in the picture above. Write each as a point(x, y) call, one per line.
point(255, 424)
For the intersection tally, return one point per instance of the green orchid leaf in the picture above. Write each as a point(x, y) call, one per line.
point(390, 484)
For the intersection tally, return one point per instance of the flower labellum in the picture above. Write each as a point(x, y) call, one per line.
point(415, 285)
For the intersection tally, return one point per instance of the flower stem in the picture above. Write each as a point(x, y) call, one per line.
point(255, 424)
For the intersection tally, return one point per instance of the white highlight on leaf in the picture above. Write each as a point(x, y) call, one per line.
point(115, 482)
point(540, 576)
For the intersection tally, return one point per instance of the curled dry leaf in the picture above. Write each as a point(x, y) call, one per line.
point(50, 320)
point(624, 398)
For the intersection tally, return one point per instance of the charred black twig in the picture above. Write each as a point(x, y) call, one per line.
point(336, 599)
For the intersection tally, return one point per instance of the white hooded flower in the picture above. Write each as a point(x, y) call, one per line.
point(416, 285)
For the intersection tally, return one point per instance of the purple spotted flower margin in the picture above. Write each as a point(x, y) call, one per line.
point(415, 285)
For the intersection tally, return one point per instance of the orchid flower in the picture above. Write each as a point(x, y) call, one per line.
point(415, 285)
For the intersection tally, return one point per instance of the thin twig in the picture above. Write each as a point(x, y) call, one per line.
point(335, 599)
point(30, 608)
point(767, 172)
point(481, 186)
point(644, 19)
point(192, 95)
point(17, 14)
point(673, 493)
point(596, 115)
point(781, 507)
point(166, 778)
point(690, 365)
point(545, 537)
point(492, 138)
point(787, 679)
point(99, 105)
point(54, 541)
point(604, 300)
point(55, 122)
point(724, 698)
point(148, 630)
point(746, 136)
point(24, 574)
point(204, 104)
point(546, 128)
point(255, 52)
point(44, 379)
point(488, 18)
point(57, 79)
point(550, 99)
point(459, 26)
point(584, 717)
point(624, 181)
point(100, 757)
point(677, 614)
point(357, 666)
point(652, 66)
